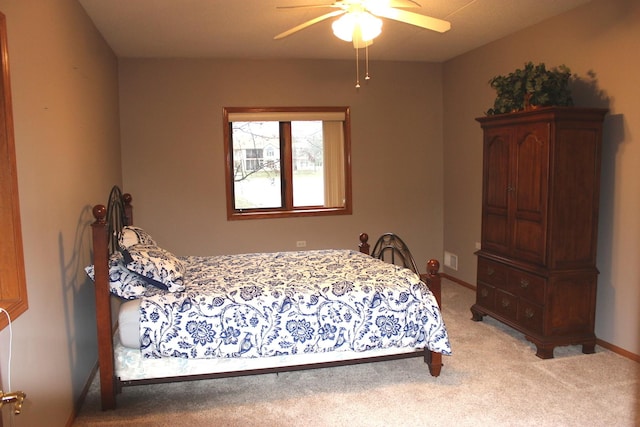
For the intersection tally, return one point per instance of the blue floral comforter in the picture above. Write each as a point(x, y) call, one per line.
point(269, 304)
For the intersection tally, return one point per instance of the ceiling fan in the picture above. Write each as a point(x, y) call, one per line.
point(360, 22)
point(355, 10)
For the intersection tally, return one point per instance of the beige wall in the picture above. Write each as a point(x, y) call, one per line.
point(64, 83)
point(601, 37)
point(173, 163)
point(65, 97)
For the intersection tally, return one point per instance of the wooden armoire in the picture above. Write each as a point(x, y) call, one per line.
point(540, 195)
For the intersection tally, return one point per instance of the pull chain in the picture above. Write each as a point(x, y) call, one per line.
point(357, 70)
point(366, 55)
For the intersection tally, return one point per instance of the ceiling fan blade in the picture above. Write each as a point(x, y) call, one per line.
point(344, 4)
point(309, 23)
point(416, 19)
point(403, 3)
point(308, 6)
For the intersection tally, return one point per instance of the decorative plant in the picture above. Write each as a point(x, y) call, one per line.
point(531, 87)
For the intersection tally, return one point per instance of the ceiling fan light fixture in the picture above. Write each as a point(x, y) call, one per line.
point(357, 27)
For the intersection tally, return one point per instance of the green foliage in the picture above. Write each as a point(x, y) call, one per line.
point(531, 87)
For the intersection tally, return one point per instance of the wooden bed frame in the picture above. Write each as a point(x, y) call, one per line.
point(117, 214)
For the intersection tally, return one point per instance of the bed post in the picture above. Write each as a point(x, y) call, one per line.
point(364, 245)
point(433, 280)
point(128, 209)
point(103, 307)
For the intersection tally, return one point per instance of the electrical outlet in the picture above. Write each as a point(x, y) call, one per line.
point(301, 244)
point(478, 246)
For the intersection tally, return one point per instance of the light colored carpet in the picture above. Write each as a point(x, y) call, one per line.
point(493, 378)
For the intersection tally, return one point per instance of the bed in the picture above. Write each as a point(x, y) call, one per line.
point(189, 318)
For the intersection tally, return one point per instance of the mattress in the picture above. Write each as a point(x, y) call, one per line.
point(130, 365)
point(129, 324)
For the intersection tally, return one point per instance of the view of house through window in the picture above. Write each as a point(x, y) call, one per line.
point(287, 161)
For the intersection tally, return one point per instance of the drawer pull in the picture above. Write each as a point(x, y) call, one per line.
point(528, 313)
point(505, 303)
point(484, 293)
point(490, 271)
point(524, 283)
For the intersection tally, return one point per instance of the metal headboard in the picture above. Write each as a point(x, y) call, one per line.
point(391, 248)
point(116, 217)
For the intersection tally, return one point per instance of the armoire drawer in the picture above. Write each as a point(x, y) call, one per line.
point(486, 295)
point(526, 285)
point(492, 273)
point(506, 304)
point(530, 316)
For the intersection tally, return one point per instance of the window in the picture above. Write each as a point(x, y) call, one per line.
point(13, 288)
point(287, 161)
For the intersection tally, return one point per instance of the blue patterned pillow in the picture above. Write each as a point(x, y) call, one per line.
point(131, 236)
point(122, 282)
point(157, 266)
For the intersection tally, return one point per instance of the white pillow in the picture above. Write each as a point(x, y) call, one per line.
point(157, 266)
point(131, 236)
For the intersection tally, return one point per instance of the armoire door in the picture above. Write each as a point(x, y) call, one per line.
point(529, 191)
point(496, 230)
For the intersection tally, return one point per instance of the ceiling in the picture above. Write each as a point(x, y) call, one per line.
point(245, 28)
